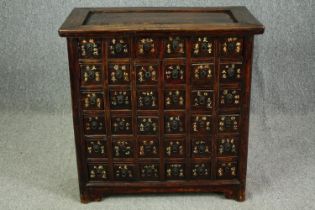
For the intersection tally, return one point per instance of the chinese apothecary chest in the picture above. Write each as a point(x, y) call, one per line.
point(160, 98)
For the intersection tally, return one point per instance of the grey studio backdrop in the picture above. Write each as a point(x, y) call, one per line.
point(37, 156)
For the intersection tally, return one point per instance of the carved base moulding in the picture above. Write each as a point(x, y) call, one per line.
point(160, 99)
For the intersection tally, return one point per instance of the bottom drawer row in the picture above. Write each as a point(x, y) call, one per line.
point(151, 171)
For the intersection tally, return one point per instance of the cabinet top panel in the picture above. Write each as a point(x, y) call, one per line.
point(89, 21)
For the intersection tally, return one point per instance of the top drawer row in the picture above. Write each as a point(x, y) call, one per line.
point(173, 46)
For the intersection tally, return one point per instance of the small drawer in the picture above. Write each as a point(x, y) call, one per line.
point(175, 171)
point(147, 99)
point(230, 97)
point(147, 125)
point(148, 147)
point(146, 47)
point(231, 72)
point(121, 125)
point(227, 146)
point(90, 48)
point(174, 148)
point(122, 148)
point(174, 46)
point(203, 46)
point(125, 172)
point(200, 170)
point(226, 169)
point(118, 74)
point(149, 171)
point(96, 147)
point(202, 74)
point(231, 47)
point(91, 75)
point(175, 73)
point(202, 100)
point(98, 172)
point(94, 124)
point(201, 124)
point(118, 47)
point(120, 98)
point(174, 123)
point(92, 101)
point(201, 146)
point(229, 123)
point(174, 99)
point(147, 74)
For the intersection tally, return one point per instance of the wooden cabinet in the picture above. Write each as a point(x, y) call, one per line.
point(160, 98)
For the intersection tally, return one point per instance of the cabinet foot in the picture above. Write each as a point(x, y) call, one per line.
point(90, 197)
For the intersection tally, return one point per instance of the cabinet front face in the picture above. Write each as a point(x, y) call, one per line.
point(161, 107)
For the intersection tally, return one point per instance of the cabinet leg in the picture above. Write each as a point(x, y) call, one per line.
point(89, 197)
point(236, 194)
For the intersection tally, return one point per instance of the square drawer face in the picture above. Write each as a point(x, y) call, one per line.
point(118, 73)
point(231, 72)
point(149, 171)
point(126, 172)
point(226, 169)
point(146, 47)
point(174, 123)
point(122, 148)
point(231, 47)
point(201, 124)
point(174, 148)
point(96, 147)
point(227, 146)
point(202, 100)
point(91, 74)
point(148, 125)
point(202, 74)
point(147, 74)
point(200, 170)
point(229, 123)
point(118, 47)
point(174, 73)
point(148, 147)
point(120, 99)
point(230, 97)
point(202, 46)
point(174, 99)
point(147, 99)
point(174, 46)
point(121, 125)
point(92, 101)
point(90, 48)
point(98, 172)
point(201, 146)
point(94, 124)
point(175, 171)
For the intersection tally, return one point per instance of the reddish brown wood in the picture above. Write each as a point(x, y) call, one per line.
point(129, 141)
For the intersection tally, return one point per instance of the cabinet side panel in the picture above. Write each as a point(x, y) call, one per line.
point(249, 41)
point(74, 83)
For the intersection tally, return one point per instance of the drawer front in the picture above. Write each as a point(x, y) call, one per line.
point(91, 75)
point(202, 46)
point(94, 124)
point(96, 147)
point(98, 172)
point(90, 48)
point(202, 74)
point(147, 74)
point(231, 47)
point(121, 125)
point(92, 101)
point(119, 74)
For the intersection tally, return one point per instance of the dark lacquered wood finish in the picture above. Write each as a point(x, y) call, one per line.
point(160, 98)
